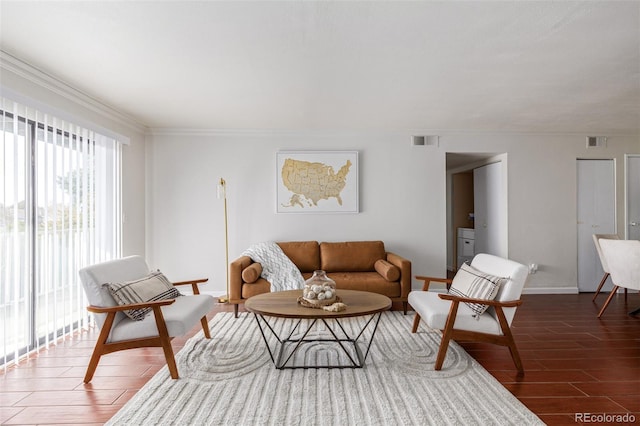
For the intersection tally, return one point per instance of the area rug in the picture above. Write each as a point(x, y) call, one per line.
point(231, 380)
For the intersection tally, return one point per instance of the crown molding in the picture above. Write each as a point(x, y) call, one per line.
point(185, 131)
point(34, 75)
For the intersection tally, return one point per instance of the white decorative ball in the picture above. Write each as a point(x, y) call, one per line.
point(321, 296)
point(311, 295)
point(316, 288)
point(328, 294)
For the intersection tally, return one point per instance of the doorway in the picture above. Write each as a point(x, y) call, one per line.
point(596, 215)
point(476, 188)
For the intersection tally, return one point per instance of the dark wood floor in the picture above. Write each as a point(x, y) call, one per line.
point(575, 363)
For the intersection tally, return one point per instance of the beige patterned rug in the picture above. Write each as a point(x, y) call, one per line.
point(231, 380)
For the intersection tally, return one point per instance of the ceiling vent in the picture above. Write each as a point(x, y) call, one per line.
point(596, 141)
point(425, 140)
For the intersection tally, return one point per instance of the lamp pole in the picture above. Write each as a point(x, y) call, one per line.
point(222, 193)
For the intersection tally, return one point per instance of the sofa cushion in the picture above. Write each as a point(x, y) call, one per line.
point(251, 273)
point(260, 286)
point(473, 283)
point(356, 256)
point(365, 281)
point(153, 287)
point(388, 271)
point(304, 254)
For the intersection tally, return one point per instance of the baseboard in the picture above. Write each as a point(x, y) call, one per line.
point(215, 293)
point(550, 290)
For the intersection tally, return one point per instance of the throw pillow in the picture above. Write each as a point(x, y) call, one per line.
point(153, 287)
point(251, 273)
point(389, 271)
point(475, 284)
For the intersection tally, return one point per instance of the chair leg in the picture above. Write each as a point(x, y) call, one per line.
point(442, 351)
point(405, 306)
point(602, 281)
point(235, 310)
point(511, 343)
point(205, 327)
point(165, 341)
point(416, 323)
point(93, 364)
point(99, 348)
point(446, 335)
point(613, 292)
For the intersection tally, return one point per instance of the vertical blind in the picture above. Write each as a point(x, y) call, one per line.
point(60, 210)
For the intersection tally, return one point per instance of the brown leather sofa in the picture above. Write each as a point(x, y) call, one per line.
point(353, 265)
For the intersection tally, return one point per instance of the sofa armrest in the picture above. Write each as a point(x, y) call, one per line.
point(235, 277)
point(405, 272)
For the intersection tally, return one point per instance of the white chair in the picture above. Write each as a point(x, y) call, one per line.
point(169, 318)
point(444, 311)
point(603, 261)
point(623, 260)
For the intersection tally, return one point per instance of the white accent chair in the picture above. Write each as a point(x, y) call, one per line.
point(623, 259)
point(603, 261)
point(444, 311)
point(170, 318)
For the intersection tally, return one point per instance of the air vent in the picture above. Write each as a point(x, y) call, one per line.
point(596, 141)
point(418, 140)
point(425, 140)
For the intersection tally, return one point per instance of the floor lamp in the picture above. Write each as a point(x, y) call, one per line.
point(222, 194)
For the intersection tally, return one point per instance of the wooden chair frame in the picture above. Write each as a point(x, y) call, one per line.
point(449, 332)
point(613, 292)
point(161, 340)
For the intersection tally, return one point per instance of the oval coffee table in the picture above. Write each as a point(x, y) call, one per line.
point(283, 304)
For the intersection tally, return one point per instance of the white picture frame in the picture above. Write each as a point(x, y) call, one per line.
point(317, 182)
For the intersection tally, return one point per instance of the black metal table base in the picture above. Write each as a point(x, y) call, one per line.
point(282, 356)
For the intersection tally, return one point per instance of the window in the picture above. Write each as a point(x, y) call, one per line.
point(59, 211)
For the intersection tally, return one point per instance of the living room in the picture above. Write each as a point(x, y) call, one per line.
point(203, 91)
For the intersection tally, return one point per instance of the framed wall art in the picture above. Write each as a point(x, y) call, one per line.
point(317, 181)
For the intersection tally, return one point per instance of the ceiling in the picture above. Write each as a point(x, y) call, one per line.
point(550, 67)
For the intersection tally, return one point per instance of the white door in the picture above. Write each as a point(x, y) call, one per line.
point(596, 215)
point(632, 185)
point(489, 210)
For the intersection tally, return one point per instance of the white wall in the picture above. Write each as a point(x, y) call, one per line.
point(402, 198)
point(40, 88)
point(173, 217)
point(542, 203)
point(186, 231)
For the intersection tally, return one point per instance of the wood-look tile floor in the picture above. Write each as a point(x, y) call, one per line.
point(574, 362)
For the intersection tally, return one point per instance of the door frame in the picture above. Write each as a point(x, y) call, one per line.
point(627, 219)
point(467, 161)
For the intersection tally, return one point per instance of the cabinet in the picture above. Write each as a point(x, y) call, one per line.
point(466, 245)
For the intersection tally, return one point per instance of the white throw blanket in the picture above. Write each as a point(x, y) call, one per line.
point(277, 268)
